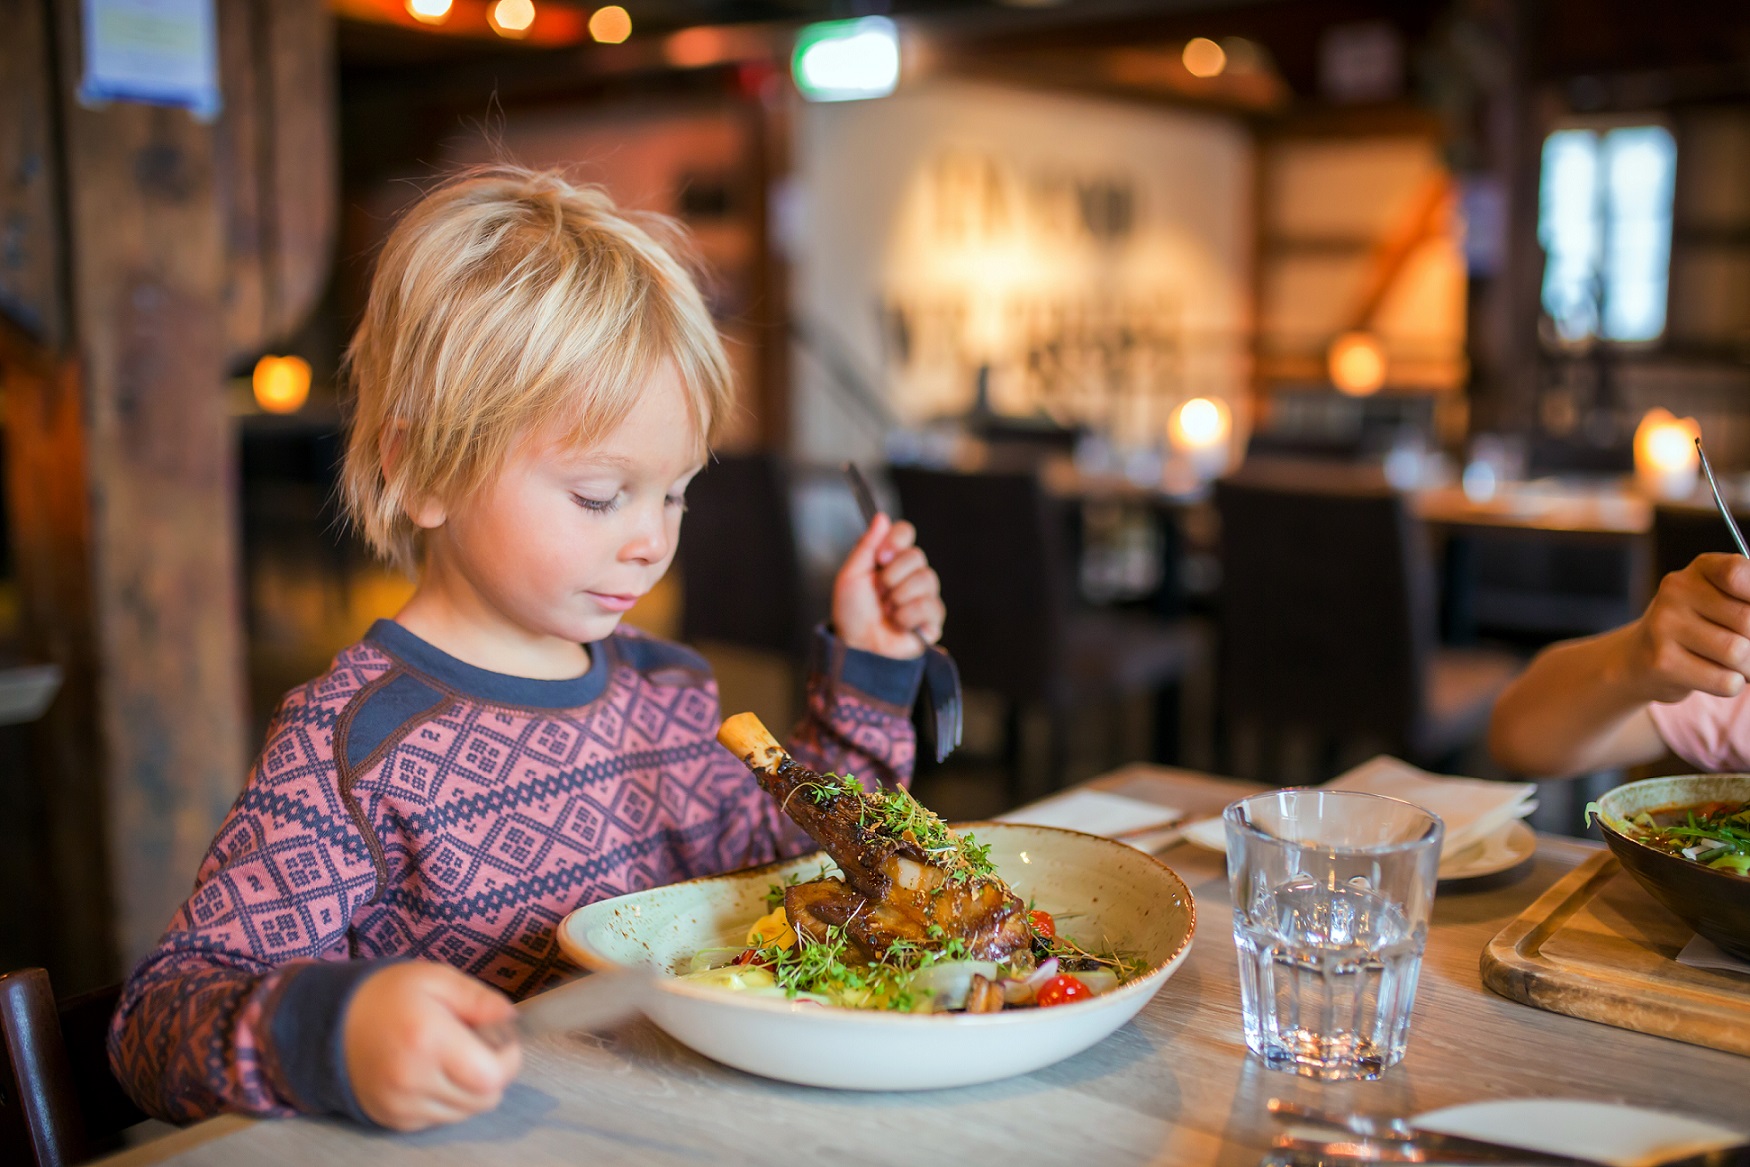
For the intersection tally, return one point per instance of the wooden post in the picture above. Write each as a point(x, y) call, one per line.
point(147, 266)
point(142, 255)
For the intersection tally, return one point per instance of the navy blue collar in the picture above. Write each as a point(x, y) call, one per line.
point(485, 685)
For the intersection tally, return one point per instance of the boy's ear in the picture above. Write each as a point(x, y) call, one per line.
point(425, 512)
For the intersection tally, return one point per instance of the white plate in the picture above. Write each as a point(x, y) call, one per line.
point(1510, 845)
point(1108, 895)
point(1607, 1132)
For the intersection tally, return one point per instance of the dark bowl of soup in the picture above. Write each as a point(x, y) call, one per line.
point(1714, 901)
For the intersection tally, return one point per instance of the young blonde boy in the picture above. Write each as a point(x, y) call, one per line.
point(537, 382)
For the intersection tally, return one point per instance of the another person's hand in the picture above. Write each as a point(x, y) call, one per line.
point(1695, 635)
point(412, 1052)
point(885, 589)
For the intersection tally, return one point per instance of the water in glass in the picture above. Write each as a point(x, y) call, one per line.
point(1330, 924)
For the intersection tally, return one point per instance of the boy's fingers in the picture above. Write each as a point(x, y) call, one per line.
point(901, 537)
point(477, 1073)
point(473, 1003)
point(905, 565)
point(926, 616)
point(1727, 572)
point(861, 560)
point(917, 586)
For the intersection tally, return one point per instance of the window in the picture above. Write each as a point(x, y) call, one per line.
point(1604, 220)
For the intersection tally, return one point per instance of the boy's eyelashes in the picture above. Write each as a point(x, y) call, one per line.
point(605, 506)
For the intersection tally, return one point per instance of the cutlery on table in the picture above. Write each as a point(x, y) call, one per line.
point(942, 723)
point(588, 1004)
point(1719, 501)
point(1361, 1138)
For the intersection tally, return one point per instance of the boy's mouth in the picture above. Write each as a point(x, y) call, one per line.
point(614, 602)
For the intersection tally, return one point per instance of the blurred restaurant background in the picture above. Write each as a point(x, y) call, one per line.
point(1267, 380)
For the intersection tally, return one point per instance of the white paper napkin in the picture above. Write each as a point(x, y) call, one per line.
point(1701, 952)
point(1471, 808)
point(1608, 1132)
point(1143, 825)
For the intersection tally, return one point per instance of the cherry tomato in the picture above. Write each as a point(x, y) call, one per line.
point(1061, 990)
point(1043, 924)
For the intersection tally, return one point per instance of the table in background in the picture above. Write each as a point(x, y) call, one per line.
point(1173, 1086)
point(1547, 559)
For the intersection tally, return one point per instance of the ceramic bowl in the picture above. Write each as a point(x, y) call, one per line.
point(1108, 896)
point(1714, 903)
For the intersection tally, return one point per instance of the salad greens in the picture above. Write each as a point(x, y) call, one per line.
point(1716, 834)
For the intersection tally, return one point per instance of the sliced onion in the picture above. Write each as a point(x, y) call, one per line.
point(947, 984)
point(1046, 970)
point(1098, 980)
point(713, 958)
point(1018, 993)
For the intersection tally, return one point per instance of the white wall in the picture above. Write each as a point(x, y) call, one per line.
point(962, 204)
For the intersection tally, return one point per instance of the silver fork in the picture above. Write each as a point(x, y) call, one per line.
point(1719, 501)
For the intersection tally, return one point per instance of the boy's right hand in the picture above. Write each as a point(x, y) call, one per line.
point(1695, 635)
point(412, 1052)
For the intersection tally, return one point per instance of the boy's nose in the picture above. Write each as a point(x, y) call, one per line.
point(650, 541)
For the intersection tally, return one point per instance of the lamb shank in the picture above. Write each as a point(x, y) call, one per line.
point(907, 877)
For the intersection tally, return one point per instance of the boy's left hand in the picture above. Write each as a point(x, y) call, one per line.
point(885, 589)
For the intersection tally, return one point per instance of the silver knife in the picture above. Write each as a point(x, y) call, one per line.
point(591, 1003)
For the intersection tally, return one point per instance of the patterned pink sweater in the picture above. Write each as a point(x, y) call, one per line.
point(409, 805)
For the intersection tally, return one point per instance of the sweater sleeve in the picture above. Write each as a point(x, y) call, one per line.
point(239, 1007)
point(858, 721)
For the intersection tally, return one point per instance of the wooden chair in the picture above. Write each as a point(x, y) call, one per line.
point(741, 571)
point(1680, 533)
point(59, 1103)
point(1328, 622)
point(995, 541)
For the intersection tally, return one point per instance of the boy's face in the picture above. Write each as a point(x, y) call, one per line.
point(565, 540)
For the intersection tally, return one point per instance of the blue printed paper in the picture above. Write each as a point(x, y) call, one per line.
point(162, 52)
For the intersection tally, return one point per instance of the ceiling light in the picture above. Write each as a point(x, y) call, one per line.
point(429, 11)
point(1204, 58)
point(512, 18)
point(1357, 363)
point(847, 60)
point(610, 25)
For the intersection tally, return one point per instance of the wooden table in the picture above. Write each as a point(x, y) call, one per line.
point(1606, 510)
point(1174, 1086)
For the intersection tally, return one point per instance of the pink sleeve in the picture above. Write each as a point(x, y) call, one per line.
point(1710, 733)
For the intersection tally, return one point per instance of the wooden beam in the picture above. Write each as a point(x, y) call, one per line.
point(148, 274)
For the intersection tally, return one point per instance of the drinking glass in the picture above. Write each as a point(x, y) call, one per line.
point(1331, 891)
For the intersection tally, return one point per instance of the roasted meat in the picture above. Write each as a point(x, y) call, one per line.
point(907, 877)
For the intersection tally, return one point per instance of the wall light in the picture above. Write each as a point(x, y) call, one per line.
point(1666, 464)
point(1204, 58)
point(1199, 430)
point(281, 384)
point(1357, 364)
point(847, 60)
point(512, 18)
point(429, 11)
point(610, 25)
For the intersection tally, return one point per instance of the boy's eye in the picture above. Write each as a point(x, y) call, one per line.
point(601, 506)
point(677, 500)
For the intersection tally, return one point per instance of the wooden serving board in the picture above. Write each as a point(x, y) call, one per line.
point(1595, 945)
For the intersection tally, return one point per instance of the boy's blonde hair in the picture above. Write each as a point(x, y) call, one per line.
point(505, 301)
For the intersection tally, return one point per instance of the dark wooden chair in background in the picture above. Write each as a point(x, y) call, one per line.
point(1680, 533)
point(1328, 623)
point(59, 1103)
point(741, 573)
point(996, 542)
